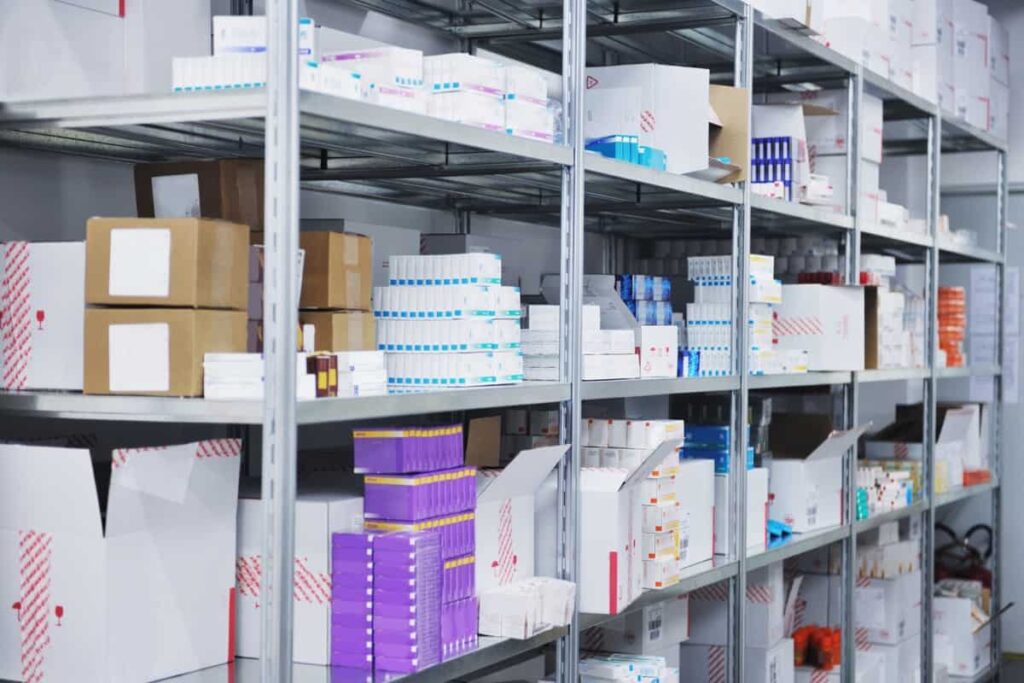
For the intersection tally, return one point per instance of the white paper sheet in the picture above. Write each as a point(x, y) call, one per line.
point(140, 357)
point(176, 196)
point(140, 262)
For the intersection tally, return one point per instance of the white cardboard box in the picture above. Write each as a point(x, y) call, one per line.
point(807, 493)
point(146, 596)
point(650, 629)
point(317, 516)
point(899, 663)
point(757, 510)
point(826, 321)
point(971, 51)
point(43, 287)
point(785, 120)
point(999, 51)
point(707, 663)
point(827, 134)
point(926, 22)
point(970, 643)
point(505, 505)
point(659, 350)
point(709, 614)
point(888, 610)
point(610, 532)
point(666, 106)
point(695, 486)
point(819, 602)
point(835, 168)
point(926, 71)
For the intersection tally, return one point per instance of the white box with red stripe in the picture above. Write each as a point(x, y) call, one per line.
point(888, 610)
point(142, 594)
point(42, 311)
point(826, 321)
point(317, 517)
point(707, 663)
point(709, 613)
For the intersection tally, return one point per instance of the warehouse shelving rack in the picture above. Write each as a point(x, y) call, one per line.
point(352, 148)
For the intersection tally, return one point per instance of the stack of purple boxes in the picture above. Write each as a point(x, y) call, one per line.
point(352, 600)
point(416, 485)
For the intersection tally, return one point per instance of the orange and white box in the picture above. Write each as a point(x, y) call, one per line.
point(662, 517)
point(42, 311)
point(660, 573)
point(144, 596)
point(664, 544)
point(317, 517)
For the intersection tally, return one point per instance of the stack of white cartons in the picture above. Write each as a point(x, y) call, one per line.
point(887, 602)
point(527, 111)
point(624, 668)
point(607, 354)
point(828, 145)
point(391, 76)
point(769, 655)
point(962, 627)
point(860, 31)
point(466, 89)
point(240, 376)
point(971, 64)
point(446, 321)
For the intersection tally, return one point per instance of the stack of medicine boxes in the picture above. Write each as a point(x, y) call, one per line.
point(526, 104)
point(446, 321)
point(771, 167)
point(392, 76)
point(418, 485)
point(708, 351)
point(466, 89)
point(648, 297)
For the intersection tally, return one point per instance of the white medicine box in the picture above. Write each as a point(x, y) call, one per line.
point(826, 321)
point(667, 107)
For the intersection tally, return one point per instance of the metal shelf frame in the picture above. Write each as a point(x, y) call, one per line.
point(353, 148)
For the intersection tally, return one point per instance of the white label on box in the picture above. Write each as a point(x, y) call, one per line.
point(176, 196)
point(140, 357)
point(140, 262)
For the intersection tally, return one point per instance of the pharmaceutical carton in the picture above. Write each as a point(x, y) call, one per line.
point(155, 351)
point(757, 510)
point(42, 285)
point(819, 601)
point(505, 526)
point(899, 662)
point(888, 610)
point(968, 632)
point(999, 51)
point(144, 592)
point(185, 262)
point(807, 493)
point(341, 330)
point(317, 516)
point(695, 489)
point(648, 630)
point(709, 613)
point(827, 134)
point(610, 533)
point(229, 189)
point(338, 270)
point(666, 107)
point(658, 347)
point(827, 322)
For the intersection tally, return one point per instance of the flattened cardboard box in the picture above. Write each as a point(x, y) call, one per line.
point(228, 189)
point(338, 272)
point(185, 262)
point(155, 351)
point(342, 330)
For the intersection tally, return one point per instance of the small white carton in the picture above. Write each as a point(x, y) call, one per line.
point(826, 321)
point(819, 602)
point(807, 493)
point(145, 596)
point(42, 285)
point(505, 526)
point(888, 610)
point(695, 489)
point(317, 516)
point(757, 511)
point(968, 632)
point(659, 350)
point(610, 533)
point(663, 105)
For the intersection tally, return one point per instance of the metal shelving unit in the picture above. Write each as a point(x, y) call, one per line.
point(358, 149)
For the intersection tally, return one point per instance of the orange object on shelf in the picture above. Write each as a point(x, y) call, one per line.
point(952, 324)
point(977, 477)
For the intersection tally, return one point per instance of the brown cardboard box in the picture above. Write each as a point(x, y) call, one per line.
point(483, 443)
point(187, 262)
point(155, 351)
point(342, 330)
point(338, 272)
point(228, 189)
point(733, 138)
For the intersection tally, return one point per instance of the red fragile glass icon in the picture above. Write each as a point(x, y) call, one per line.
point(59, 611)
point(17, 608)
point(40, 317)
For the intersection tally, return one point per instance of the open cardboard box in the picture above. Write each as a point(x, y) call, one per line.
point(143, 593)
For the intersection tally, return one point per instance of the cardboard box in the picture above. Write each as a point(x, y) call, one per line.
point(883, 328)
point(483, 441)
point(926, 22)
point(142, 593)
point(610, 533)
point(667, 107)
point(505, 517)
point(185, 262)
point(659, 350)
point(968, 633)
point(826, 134)
point(925, 63)
point(899, 662)
point(807, 493)
point(227, 189)
point(709, 613)
point(42, 288)
point(342, 330)
point(648, 630)
point(732, 138)
point(819, 602)
point(999, 51)
point(835, 168)
point(707, 663)
point(695, 489)
point(826, 321)
point(888, 610)
point(757, 510)
point(338, 271)
point(788, 120)
point(971, 52)
point(156, 351)
point(317, 516)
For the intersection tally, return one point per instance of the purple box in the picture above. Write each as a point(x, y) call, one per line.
point(458, 579)
point(392, 583)
point(352, 660)
point(417, 497)
point(399, 650)
point(342, 589)
point(345, 674)
point(402, 666)
point(407, 450)
point(458, 532)
point(351, 609)
point(459, 624)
